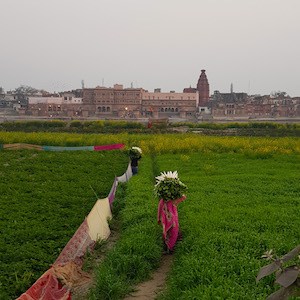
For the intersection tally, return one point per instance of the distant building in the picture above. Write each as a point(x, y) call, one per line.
point(194, 103)
point(66, 105)
point(268, 106)
point(203, 89)
point(122, 102)
point(203, 109)
point(190, 90)
point(228, 104)
point(164, 105)
point(3, 102)
point(240, 105)
point(115, 102)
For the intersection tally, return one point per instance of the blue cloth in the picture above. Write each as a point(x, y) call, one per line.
point(134, 170)
point(56, 148)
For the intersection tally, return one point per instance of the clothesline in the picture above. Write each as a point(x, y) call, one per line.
point(18, 146)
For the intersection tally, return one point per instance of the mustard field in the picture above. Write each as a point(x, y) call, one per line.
point(162, 143)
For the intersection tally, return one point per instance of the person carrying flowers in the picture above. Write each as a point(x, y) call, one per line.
point(170, 191)
point(135, 154)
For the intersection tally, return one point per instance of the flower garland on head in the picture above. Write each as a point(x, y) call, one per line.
point(168, 186)
point(135, 153)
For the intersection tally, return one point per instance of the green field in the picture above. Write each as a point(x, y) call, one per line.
point(44, 197)
point(252, 128)
point(238, 206)
point(243, 199)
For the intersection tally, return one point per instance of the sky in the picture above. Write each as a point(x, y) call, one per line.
point(55, 44)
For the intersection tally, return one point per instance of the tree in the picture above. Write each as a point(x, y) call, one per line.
point(25, 90)
point(279, 94)
point(22, 94)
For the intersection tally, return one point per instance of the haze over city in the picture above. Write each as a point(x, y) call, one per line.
point(54, 45)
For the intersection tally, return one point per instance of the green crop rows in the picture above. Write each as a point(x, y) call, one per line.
point(238, 206)
point(44, 197)
point(243, 199)
point(138, 250)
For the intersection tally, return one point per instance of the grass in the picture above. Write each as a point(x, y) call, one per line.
point(253, 128)
point(237, 208)
point(138, 250)
point(243, 199)
point(44, 198)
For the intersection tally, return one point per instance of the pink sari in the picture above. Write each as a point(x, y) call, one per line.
point(167, 215)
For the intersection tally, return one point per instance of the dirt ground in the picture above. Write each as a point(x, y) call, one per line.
point(151, 288)
point(144, 291)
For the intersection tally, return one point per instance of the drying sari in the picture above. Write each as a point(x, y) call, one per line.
point(167, 216)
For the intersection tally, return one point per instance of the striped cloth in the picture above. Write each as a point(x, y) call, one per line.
point(57, 148)
point(19, 146)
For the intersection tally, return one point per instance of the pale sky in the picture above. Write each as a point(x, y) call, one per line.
point(54, 44)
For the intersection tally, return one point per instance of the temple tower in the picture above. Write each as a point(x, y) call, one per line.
point(203, 89)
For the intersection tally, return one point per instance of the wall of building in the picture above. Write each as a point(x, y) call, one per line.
point(113, 102)
point(162, 105)
point(64, 106)
point(257, 107)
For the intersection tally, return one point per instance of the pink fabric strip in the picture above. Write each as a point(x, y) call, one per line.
point(47, 287)
point(108, 147)
point(76, 247)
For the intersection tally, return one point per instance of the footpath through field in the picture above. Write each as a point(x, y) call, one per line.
point(238, 206)
point(150, 289)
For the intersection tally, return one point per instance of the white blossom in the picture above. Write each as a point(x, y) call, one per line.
point(168, 186)
point(166, 175)
point(268, 255)
point(137, 149)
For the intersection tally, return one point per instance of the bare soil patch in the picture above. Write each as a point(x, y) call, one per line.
point(151, 288)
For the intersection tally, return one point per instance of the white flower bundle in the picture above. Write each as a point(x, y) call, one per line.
point(168, 186)
point(135, 152)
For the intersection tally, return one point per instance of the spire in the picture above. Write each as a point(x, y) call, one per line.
point(203, 89)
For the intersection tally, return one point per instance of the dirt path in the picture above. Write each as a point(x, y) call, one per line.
point(144, 291)
point(151, 288)
point(81, 292)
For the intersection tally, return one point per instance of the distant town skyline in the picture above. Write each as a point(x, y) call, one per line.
point(54, 45)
